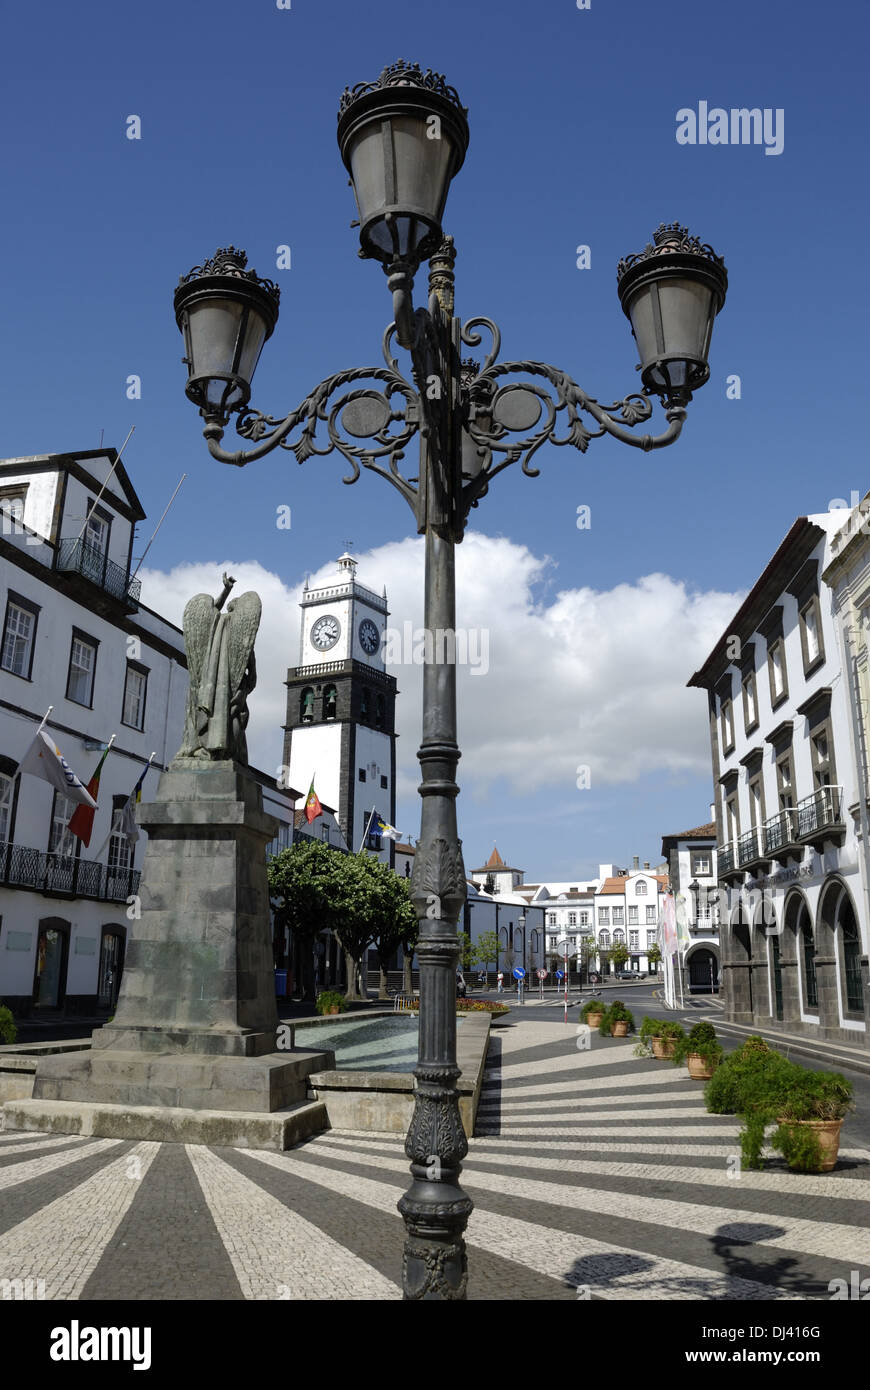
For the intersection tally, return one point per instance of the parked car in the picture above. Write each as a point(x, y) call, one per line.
point(631, 975)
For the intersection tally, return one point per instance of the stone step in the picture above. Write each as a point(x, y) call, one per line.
point(190, 1081)
point(279, 1130)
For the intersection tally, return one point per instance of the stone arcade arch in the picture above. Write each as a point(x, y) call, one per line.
point(841, 966)
point(799, 956)
point(737, 968)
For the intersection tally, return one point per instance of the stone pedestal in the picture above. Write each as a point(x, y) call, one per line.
point(196, 1022)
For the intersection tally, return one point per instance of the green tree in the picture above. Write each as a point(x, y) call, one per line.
point(314, 887)
point(485, 949)
point(619, 954)
point(654, 956)
point(392, 917)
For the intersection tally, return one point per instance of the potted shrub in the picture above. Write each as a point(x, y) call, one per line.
point(592, 1012)
point(723, 1091)
point(329, 1001)
point(812, 1106)
point(658, 1038)
point(617, 1021)
point(701, 1051)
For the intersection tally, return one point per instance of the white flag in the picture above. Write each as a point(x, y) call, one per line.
point(44, 759)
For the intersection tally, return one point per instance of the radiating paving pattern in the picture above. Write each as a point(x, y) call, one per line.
point(594, 1175)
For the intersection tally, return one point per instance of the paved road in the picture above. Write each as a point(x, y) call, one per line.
point(594, 1174)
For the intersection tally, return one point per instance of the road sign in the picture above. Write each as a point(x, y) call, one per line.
point(560, 974)
point(542, 974)
point(519, 973)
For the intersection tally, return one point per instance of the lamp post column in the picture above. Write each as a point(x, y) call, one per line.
point(435, 1208)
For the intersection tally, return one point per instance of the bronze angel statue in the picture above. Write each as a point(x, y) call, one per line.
point(220, 659)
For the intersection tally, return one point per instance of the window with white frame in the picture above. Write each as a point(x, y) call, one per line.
point(650, 939)
point(632, 914)
point(551, 919)
point(97, 531)
point(604, 916)
point(634, 941)
point(120, 850)
point(604, 940)
point(82, 664)
point(19, 630)
point(584, 919)
point(572, 919)
point(60, 840)
point(702, 864)
point(6, 784)
point(640, 888)
point(619, 916)
point(651, 913)
point(135, 688)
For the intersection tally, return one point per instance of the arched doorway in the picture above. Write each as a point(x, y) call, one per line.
point(741, 945)
point(849, 940)
point(52, 955)
point(112, 947)
point(703, 971)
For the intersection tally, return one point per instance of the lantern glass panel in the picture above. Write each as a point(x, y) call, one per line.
point(401, 171)
point(214, 333)
point(255, 337)
point(673, 319)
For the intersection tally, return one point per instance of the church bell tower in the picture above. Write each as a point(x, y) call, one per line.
point(341, 705)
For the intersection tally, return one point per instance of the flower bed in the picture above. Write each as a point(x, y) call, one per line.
point(487, 1006)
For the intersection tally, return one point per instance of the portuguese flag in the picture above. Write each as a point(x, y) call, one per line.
point(313, 808)
point(82, 820)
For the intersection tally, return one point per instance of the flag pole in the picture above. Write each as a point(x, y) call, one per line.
point(366, 831)
point(157, 528)
point(141, 775)
point(108, 479)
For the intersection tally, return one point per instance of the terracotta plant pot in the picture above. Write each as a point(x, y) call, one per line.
point(699, 1070)
point(828, 1134)
point(335, 1009)
point(619, 1028)
point(663, 1048)
point(594, 1020)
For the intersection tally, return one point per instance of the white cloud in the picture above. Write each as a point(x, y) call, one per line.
point(575, 677)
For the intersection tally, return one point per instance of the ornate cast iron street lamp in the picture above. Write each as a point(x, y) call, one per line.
point(402, 138)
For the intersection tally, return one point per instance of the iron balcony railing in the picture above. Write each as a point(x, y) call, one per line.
point(779, 830)
point(23, 867)
point(821, 809)
point(80, 557)
point(749, 847)
point(726, 859)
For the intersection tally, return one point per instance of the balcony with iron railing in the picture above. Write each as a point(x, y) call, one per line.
point(749, 847)
point(81, 558)
point(820, 816)
point(726, 856)
point(65, 875)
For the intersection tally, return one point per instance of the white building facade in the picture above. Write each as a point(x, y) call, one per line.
point(791, 867)
point(692, 872)
point(76, 637)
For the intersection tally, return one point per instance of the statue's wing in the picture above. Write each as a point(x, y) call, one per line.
point(244, 614)
point(198, 624)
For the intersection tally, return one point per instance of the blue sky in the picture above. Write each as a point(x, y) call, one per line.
point(573, 120)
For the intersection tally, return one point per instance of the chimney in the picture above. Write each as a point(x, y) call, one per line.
point(646, 864)
point(635, 864)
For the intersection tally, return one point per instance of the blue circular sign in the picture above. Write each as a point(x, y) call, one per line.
point(519, 973)
point(560, 974)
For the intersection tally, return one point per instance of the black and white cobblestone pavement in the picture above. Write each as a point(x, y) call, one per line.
point(594, 1174)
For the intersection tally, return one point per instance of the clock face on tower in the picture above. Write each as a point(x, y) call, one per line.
point(369, 636)
point(325, 633)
